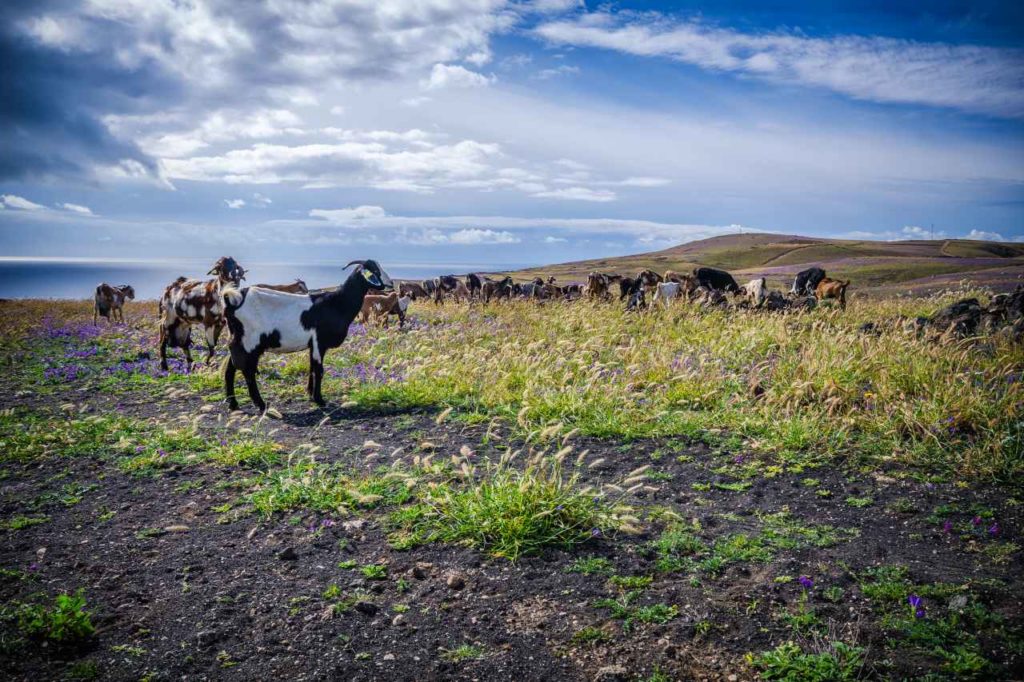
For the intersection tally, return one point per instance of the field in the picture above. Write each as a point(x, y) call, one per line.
point(518, 491)
point(877, 269)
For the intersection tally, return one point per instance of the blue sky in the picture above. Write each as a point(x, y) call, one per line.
point(485, 131)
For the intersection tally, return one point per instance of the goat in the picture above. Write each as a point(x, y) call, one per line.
point(832, 288)
point(413, 290)
point(666, 291)
point(597, 286)
point(491, 289)
point(109, 301)
point(755, 291)
point(263, 320)
point(380, 307)
point(448, 284)
point(671, 276)
point(637, 299)
point(186, 302)
point(428, 286)
point(296, 287)
point(474, 283)
point(626, 285)
point(720, 280)
point(806, 281)
point(649, 280)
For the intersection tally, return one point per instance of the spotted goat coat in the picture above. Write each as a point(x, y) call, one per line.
point(187, 302)
point(110, 301)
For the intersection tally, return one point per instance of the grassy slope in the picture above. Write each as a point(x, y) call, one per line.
point(918, 264)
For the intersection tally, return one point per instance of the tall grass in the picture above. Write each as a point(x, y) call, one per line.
point(806, 387)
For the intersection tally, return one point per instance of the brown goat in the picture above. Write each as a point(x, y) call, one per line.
point(296, 287)
point(832, 288)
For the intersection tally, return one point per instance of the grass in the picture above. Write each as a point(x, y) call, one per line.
point(836, 662)
point(65, 621)
point(510, 512)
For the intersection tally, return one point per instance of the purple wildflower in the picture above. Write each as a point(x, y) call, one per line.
point(994, 528)
point(595, 532)
point(33, 567)
point(806, 582)
point(916, 603)
point(976, 521)
point(947, 526)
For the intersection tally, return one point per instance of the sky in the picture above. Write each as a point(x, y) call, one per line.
point(491, 131)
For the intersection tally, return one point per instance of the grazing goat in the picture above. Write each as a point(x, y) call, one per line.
point(806, 281)
point(429, 285)
point(110, 301)
point(449, 284)
point(186, 302)
point(597, 285)
point(720, 280)
point(637, 299)
point(666, 292)
point(380, 307)
point(296, 287)
point(649, 280)
point(261, 320)
point(672, 276)
point(755, 291)
point(413, 290)
point(501, 289)
point(474, 283)
point(832, 288)
point(626, 285)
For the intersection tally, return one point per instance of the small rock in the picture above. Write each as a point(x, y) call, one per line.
point(371, 445)
point(399, 620)
point(612, 673)
point(366, 607)
point(288, 554)
point(421, 570)
point(389, 657)
point(733, 677)
point(176, 529)
point(206, 637)
point(456, 581)
point(354, 525)
point(958, 602)
point(427, 446)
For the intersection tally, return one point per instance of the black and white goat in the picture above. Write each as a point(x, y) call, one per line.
point(262, 320)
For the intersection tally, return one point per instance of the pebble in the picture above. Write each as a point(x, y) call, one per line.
point(288, 554)
point(389, 657)
point(176, 529)
point(399, 620)
point(612, 673)
point(456, 581)
point(421, 570)
point(366, 607)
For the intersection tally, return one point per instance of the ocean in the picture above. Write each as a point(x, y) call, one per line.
point(77, 278)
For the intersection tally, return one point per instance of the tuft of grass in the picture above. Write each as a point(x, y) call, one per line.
point(836, 662)
point(510, 512)
point(463, 652)
point(590, 566)
point(20, 522)
point(66, 621)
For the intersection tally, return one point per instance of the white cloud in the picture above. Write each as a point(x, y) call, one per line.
point(578, 194)
point(985, 236)
point(337, 110)
point(479, 236)
point(455, 76)
point(564, 70)
point(645, 182)
point(979, 79)
point(555, 240)
point(261, 201)
point(344, 215)
point(414, 102)
point(917, 232)
point(76, 208)
point(234, 203)
point(20, 203)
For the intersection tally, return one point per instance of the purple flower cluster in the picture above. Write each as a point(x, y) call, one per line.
point(72, 330)
point(806, 582)
point(366, 373)
point(89, 352)
point(64, 373)
point(916, 605)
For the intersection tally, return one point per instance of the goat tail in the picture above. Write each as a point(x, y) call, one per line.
point(232, 296)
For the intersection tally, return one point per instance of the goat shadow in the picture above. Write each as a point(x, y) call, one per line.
point(335, 414)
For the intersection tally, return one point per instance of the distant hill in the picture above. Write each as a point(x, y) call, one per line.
point(889, 267)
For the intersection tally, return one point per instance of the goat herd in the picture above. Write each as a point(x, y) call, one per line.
point(286, 318)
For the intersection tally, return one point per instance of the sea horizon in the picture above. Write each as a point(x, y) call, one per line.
point(75, 278)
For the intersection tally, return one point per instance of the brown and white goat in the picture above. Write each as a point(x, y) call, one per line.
point(188, 302)
point(378, 307)
point(110, 301)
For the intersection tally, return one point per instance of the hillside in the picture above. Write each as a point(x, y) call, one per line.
point(918, 265)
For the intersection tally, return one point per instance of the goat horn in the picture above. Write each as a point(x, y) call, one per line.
point(355, 262)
